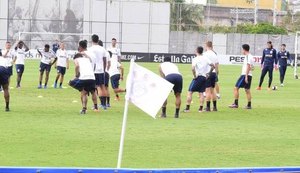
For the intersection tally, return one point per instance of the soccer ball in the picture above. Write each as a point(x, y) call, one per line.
point(274, 87)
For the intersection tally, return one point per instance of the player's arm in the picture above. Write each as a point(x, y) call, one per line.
point(68, 63)
point(212, 67)
point(161, 72)
point(263, 58)
point(5, 54)
point(76, 69)
point(55, 58)
point(247, 72)
point(194, 72)
point(217, 68)
point(122, 72)
point(108, 64)
point(26, 47)
point(39, 52)
point(119, 55)
point(275, 58)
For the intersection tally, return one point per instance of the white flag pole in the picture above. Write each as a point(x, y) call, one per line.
point(128, 92)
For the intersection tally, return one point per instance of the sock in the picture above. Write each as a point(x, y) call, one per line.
point(117, 95)
point(177, 111)
point(249, 104)
point(201, 108)
point(60, 84)
point(84, 108)
point(45, 84)
point(187, 107)
point(208, 104)
point(40, 82)
point(7, 104)
point(164, 109)
point(215, 103)
point(95, 106)
point(108, 100)
point(103, 101)
point(236, 101)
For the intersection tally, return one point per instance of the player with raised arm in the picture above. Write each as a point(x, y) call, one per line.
point(211, 80)
point(8, 55)
point(267, 63)
point(115, 50)
point(99, 66)
point(170, 72)
point(84, 80)
point(4, 80)
point(201, 69)
point(19, 60)
point(245, 79)
point(61, 65)
point(283, 57)
point(46, 63)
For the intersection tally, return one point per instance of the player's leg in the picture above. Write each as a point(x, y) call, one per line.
point(6, 96)
point(201, 101)
point(270, 70)
point(20, 71)
point(188, 101)
point(249, 97)
point(84, 99)
point(92, 89)
point(57, 76)
point(41, 79)
point(239, 84)
point(106, 84)
point(46, 79)
point(217, 90)
point(262, 76)
point(282, 70)
point(208, 98)
point(177, 104)
point(164, 110)
point(178, 83)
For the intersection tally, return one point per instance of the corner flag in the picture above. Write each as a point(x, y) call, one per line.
point(146, 90)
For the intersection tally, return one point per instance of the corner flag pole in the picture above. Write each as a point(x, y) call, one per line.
point(128, 92)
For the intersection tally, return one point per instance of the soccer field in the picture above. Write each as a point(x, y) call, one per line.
point(48, 130)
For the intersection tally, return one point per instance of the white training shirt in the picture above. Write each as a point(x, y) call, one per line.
point(47, 56)
point(114, 67)
point(116, 52)
point(8, 57)
point(201, 65)
point(99, 53)
point(2, 62)
point(86, 71)
point(62, 58)
point(212, 56)
point(248, 60)
point(169, 68)
point(20, 56)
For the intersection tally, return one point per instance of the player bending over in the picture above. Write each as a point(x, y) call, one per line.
point(4, 80)
point(8, 55)
point(19, 60)
point(283, 56)
point(61, 65)
point(245, 79)
point(267, 62)
point(85, 79)
point(170, 72)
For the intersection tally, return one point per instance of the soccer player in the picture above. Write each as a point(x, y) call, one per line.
point(202, 68)
point(283, 56)
point(99, 63)
point(45, 65)
point(8, 55)
point(61, 65)
point(116, 73)
point(115, 50)
point(4, 80)
point(170, 72)
point(19, 60)
point(85, 79)
point(245, 79)
point(211, 80)
point(55, 46)
point(267, 63)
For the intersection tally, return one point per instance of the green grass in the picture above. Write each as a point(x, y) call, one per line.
point(49, 131)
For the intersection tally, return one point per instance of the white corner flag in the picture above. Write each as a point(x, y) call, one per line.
point(147, 91)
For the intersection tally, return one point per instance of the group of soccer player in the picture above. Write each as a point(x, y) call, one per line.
point(205, 70)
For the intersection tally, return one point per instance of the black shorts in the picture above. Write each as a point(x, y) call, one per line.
point(242, 84)
point(100, 79)
point(211, 80)
point(106, 79)
point(61, 70)
point(175, 79)
point(86, 85)
point(20, 68)
point(44, 67)
point(10, 70)
point(198, 84)
point(114, 80)
point(4, 76)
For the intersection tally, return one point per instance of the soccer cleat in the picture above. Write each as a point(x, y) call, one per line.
point(117, 98)
point(200, 110)
point(108, 105)
point(40, 87)
point(215, 110)
point(103, 107)
point(45, 87)
point(269, 89)
point(95, 109)
point(7, 110)
point(60, 87)
point(163, 115)
point(258, 88)
point(83, 112)
point(55, 85)
point(186, 111)
point(218, 96)
point(207, 110)
point(247, 107)
point(176, 116)
point(282, 85)
point(233, 106)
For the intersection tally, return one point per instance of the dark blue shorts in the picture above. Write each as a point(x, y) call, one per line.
point(10, 70)
point(198, 84)
point(211, 80)
point(86, 85)
point(114, 80)
point(100, 79)
point(4, 76)
point(61, 70)
point(176, 80)
point(242, 84)
point(106, 79)
point(44, 67)
point(20, 68)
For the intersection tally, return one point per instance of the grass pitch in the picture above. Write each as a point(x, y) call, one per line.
point(44, 128)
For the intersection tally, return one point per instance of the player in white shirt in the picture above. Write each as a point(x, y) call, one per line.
point(245, 79)
point(170, 72)
point(201, 68)
point(99, 65)
point(19, 60)
point(8, 55)
point(61, 65)
point(212, 79)
point(84, 80)
point(115, 50)
point(4, 80)
point(47, 61)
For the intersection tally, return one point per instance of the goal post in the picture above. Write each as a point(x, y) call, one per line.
point(296, 55)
